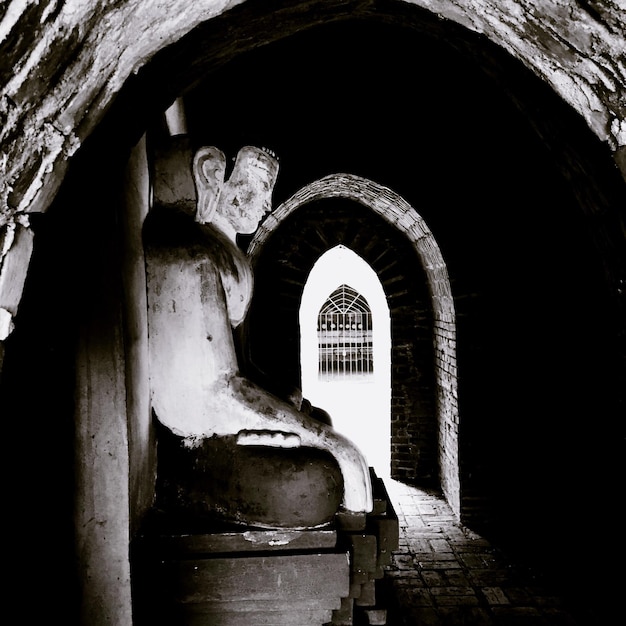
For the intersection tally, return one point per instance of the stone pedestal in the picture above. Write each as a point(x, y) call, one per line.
point(370, 542)
point(186, 573)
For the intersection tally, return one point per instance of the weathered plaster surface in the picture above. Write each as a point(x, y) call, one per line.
point(63, 62)
point(59, 87)
point(577, 47)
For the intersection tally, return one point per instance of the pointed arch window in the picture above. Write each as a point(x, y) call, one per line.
point(344, 332)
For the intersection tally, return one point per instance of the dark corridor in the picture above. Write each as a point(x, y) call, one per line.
point(519, 196)
point(513, 186)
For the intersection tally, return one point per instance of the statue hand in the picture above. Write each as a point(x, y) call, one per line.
point(272, 438)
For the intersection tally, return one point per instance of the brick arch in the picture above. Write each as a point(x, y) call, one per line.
point(397, 212)
point(79, 63)
point(97, 49)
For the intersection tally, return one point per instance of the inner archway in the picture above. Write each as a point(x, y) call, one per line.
point(405, 221)
point(359, 405)
point(48, 119)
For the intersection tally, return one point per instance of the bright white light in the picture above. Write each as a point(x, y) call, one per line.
point(360, 408)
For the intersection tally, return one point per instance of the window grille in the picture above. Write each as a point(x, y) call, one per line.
point(344, 332)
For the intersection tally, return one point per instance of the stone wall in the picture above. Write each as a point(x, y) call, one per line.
point(64, 63)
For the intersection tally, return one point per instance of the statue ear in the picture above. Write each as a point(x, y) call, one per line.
point(209, 167)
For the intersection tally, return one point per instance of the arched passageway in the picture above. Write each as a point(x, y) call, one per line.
point(394, 210)
point(531, 230)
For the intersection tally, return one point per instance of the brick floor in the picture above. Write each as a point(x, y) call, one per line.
point(443, 574)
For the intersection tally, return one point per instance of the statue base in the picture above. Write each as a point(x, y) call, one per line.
point(189, 572)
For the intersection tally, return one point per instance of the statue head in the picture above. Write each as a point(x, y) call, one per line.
point(239, 203)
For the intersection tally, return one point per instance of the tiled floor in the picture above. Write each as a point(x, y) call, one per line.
point(443, 574)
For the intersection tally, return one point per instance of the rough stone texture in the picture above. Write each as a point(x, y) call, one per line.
point(577, 47)
point(58, 83)
point(17, 245)
point(64, 78)
point(64, 63)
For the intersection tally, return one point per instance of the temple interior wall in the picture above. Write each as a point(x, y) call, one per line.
point(515, 172)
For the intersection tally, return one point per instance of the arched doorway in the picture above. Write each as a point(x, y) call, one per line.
point(355, 391)
point(407, 223)
point(91, 94)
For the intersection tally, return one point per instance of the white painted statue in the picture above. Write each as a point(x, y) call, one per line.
point(199, 288)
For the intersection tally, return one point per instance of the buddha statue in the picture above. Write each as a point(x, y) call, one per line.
point(228, 447)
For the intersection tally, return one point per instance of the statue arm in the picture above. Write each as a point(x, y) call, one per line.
point(259, 418)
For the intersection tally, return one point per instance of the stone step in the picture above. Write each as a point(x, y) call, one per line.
point(288, 617)
point(272, 577)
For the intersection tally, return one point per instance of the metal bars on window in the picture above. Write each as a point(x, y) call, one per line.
point(344, 332)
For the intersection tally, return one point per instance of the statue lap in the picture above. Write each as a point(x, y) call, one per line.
point(257, 486)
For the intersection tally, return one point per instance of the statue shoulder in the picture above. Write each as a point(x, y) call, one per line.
point(172, 228)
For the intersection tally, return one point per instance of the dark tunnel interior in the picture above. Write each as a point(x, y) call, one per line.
point(513, 186)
